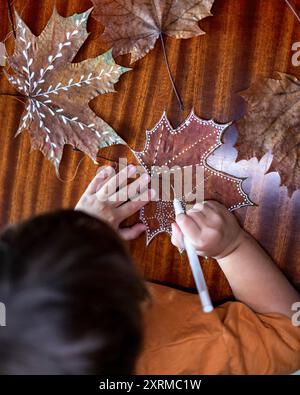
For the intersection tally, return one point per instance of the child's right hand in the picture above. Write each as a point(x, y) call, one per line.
point(210, 227)
point(254, 279)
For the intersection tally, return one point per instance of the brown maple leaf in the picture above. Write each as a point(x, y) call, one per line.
point(133, 26)
point(273, 124)
point(58, 91)
point(187, 146)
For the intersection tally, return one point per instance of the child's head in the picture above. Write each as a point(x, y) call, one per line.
point(72, 297)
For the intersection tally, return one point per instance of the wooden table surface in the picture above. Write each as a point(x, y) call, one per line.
point(245, 39)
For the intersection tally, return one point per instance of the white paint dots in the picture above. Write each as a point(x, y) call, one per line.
point(161, 217)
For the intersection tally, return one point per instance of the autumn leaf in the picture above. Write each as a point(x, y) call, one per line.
point(58, 91)
point(187, 146)
point(134, 26)
point(273, 124)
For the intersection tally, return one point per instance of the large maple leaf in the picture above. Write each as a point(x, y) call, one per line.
point(273, 124)
point(133, 26)
point(189, 145)
point(58, 91)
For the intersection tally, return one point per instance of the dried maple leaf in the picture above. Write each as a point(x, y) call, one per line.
point(273, 124)
point(187, 146)
point(134, 26)
point(58, 91)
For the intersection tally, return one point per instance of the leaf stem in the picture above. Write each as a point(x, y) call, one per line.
point(17, 97)
point(11, 18)
point(169, 72)
point(11, 94)
point(293, 10)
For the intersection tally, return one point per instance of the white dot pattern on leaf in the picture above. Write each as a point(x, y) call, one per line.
point(164, 214)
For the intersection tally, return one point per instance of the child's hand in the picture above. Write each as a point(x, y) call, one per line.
point(210, 227)
point(107, 198)
point(254, 279)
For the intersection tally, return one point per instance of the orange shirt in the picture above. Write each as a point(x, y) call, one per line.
point(233, 339)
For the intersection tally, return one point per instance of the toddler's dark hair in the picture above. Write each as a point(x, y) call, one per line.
point(72, 296)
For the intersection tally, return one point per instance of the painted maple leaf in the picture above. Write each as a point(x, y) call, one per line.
point(273, 124)
point(189, 145)
point(58, 91)
point(133, 26)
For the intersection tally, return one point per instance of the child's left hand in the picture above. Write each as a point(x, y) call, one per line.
point(106, 198)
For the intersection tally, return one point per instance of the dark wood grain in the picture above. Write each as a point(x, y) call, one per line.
point(245, 39)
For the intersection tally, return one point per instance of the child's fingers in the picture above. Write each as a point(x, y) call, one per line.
point(123, 175)
point(197, 213)
point(116, 181)
point(198, 207)
point(205, 208)
point(138, 186)
point(215, 213)
point(207, 213)
point(99, 180)
point(133, 232)
point(188, 226)
point(132, 206)
point(145, 196)
point(177, 236)
point(212, 205)
point(131, 191)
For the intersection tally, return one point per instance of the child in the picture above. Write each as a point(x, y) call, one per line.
point(76, 305)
